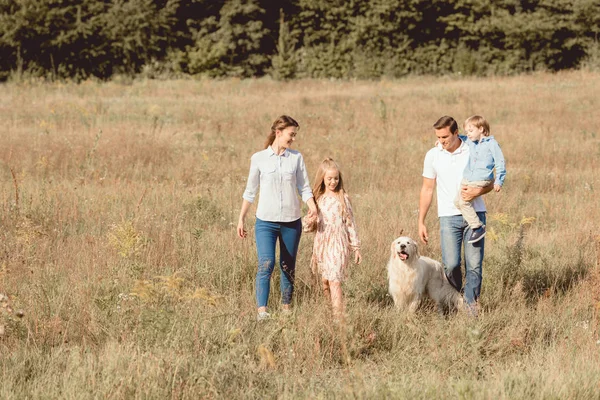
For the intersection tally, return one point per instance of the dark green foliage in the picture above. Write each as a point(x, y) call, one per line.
point(76, 39)
point(138, 31)
point(231, 44)
point(364, 39)
point(284, 62)
point(50, 37)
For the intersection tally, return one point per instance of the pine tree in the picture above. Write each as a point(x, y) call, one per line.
point(231, 45)
point(284, 62)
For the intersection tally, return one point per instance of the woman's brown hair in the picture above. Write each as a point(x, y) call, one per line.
point(280, 124)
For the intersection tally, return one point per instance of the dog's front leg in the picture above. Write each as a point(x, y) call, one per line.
point(414, 304)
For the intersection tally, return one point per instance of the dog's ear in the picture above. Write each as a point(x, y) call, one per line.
point(417, 254)
point(393, 250)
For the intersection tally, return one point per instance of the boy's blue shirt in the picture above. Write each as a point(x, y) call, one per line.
point(484, 155)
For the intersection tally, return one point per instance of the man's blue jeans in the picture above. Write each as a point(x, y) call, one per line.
point(267, 233)
point(455, 233)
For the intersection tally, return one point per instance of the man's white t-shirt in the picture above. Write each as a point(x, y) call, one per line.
point(447, 169)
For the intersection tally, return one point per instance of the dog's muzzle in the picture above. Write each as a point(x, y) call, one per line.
point(402, 253)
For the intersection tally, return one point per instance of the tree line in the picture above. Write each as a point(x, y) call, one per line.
point(362, 39)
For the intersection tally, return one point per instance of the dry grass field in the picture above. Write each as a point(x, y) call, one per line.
point(118, 209)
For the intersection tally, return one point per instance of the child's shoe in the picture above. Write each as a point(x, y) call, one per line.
point(477, 234)
point(263, 315)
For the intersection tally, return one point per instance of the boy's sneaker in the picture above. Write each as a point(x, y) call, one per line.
point(263, 315)
point(477, 234)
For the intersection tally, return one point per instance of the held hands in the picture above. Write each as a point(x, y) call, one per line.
point(312, 210)
point(309, 224)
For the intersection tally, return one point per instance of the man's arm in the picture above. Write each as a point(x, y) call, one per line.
point(425, 199)
point(468, 193)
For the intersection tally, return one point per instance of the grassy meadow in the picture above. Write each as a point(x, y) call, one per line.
point(118, 208)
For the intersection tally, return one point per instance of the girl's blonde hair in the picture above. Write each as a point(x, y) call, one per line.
point(319, 185)
point(278, 125)
point(478, 122)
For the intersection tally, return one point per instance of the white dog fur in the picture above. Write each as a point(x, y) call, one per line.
point(411, 277)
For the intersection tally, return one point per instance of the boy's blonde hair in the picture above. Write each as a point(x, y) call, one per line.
point(478, 122)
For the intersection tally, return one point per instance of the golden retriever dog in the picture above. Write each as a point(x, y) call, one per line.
point(412, 276)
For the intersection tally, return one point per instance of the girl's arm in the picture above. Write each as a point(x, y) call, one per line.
point(352, 234)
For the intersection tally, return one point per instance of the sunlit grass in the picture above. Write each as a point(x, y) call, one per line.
point(118, 212)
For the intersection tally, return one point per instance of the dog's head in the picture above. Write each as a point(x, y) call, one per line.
point(405, 249)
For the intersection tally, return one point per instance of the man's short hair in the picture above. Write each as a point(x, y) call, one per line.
point(445, 122)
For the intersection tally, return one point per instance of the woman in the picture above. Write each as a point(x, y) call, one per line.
point(281, 175)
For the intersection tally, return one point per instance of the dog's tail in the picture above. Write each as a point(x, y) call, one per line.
point(452, 298)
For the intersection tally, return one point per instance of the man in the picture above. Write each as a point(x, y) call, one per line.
point(443, 170)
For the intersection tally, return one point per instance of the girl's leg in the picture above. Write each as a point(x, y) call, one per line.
point(289, 238)
point(266, 238)
point(337, 300)
point(326, 289)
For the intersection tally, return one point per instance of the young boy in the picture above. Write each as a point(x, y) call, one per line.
point(484, 156)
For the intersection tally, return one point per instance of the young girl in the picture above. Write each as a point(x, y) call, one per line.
point(336, 234)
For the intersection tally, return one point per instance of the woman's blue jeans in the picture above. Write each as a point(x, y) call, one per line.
point(267, 234)
point(455, 233)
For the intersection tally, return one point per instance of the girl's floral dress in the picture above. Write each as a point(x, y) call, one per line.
point(335, 240)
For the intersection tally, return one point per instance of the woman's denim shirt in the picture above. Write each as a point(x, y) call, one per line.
point(484, 155)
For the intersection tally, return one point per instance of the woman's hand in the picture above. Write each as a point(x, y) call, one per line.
point(242, 233)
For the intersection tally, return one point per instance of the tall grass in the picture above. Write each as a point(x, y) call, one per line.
point(118, 211)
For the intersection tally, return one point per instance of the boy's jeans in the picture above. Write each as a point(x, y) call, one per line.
point(454, 233)
point(267, 233)
point(465, 207)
